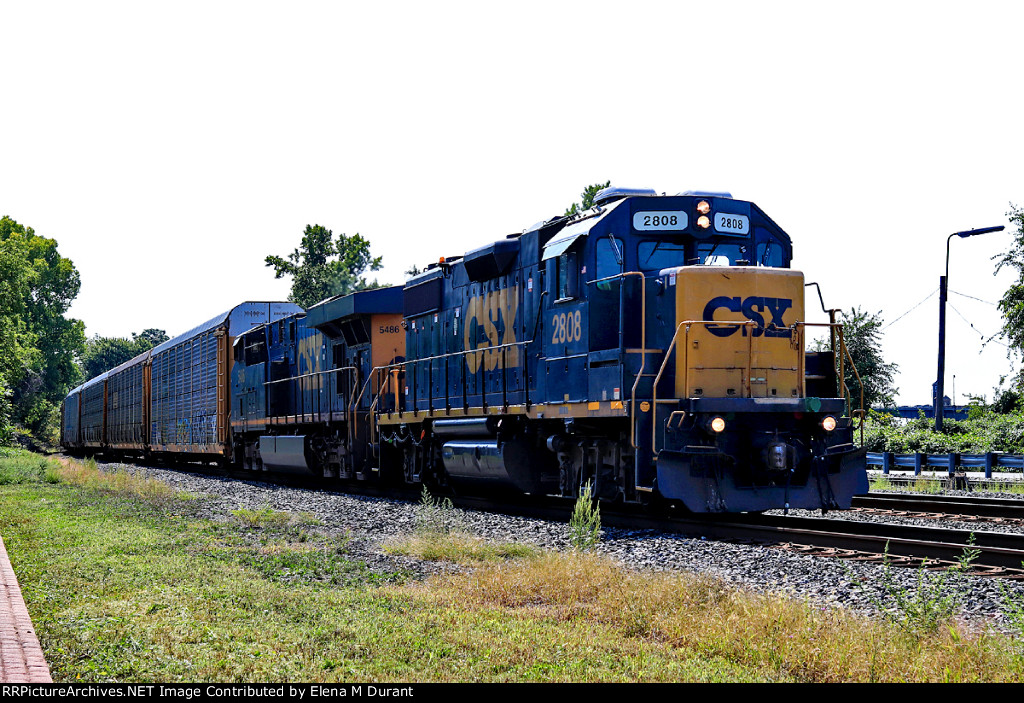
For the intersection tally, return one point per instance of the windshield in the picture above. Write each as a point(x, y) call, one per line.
point(655, 256)
point(769, 253)
point(722, 254)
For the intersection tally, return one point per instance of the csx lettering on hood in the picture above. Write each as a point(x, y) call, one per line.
point(754, 308)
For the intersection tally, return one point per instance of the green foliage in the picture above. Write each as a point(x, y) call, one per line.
point(1014, 608)
point(862, 332)
point(16, 276)
point(933, 601)
point(105, 353)
point(38, 344)
point(19, 466)
point(6, 428)
point(587, 198)
point(1011, 305)
point(983, 431)
point(261, 517)
point(585, 523)
point(436, 516)
point(323, 267)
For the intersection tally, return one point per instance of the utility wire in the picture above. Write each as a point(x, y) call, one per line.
point(910, 310)
point(987, 302)
point(983, 337)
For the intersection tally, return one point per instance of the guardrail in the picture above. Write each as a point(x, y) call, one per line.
point(949, 462)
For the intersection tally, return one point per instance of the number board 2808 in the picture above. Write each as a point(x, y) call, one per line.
point(660, 220)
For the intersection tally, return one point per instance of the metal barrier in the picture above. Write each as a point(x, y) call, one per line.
point(948, 462)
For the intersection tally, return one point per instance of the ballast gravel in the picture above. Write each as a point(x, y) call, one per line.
point(826, 582)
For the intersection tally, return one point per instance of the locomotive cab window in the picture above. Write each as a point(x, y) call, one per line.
point(769, 254)
point(722, 254)
point(563, 276)
point(655, 256)
point(608, 254)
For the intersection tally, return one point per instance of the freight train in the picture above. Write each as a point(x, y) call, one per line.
point(652, 347)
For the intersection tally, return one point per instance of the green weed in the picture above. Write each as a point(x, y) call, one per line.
point(262, 517)
point(932, 602)
point(1014, 487)
point(20, 466)
point(436, 516)
point(585, 523)
point(459, 549)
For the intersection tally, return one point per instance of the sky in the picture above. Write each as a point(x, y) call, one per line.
point(170, 147)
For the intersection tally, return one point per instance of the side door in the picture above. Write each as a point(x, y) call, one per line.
point(566, 329)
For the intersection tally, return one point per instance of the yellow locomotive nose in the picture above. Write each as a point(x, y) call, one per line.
point(739, 339)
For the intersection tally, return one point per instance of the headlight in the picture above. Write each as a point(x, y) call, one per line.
point(717, 424)
point(829, 423)
point(703, 207)
point(703, 222)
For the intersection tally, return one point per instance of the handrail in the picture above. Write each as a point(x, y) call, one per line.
point(300, 377)
point(797, 328)
point(668, 355)
point(860, 412)
point(402, 364)
point(503, 348)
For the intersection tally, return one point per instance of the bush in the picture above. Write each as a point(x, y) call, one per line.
point(983, 431)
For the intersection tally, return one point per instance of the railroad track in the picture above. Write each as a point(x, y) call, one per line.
point(961, 508)
point(997, 553)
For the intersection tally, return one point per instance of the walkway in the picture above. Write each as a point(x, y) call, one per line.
point(21, 657)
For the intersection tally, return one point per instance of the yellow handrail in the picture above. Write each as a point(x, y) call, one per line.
point(797, 329)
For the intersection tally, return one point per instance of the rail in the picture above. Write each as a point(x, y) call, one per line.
point(391, 372)
point(796, 329)
point(301, 387)
point(429, 361)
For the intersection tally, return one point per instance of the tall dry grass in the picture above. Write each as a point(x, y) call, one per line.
point(87, 474)
point(702, 614)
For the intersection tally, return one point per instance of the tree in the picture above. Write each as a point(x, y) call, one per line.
point(105, 353)
point(587, 198)
point(38, 344)
point(1011, 305)
point(16, 276)
point(322, 267)
point(862, 332)
point(5, 414)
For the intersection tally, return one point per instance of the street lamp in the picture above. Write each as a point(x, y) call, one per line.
point(939, 390)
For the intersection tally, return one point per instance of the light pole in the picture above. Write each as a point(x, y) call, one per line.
point(943, 281)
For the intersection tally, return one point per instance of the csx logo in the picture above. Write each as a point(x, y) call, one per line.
point(490, 322)
point(754, 309)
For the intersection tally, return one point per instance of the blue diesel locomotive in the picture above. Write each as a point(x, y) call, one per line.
point(652, 347)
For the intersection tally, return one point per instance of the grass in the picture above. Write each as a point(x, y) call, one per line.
point(459, 548)
point(124, 587)
point(933, 603)
point(262, 517)
point(1015, 487)
point(880, 482)
point(920, 484)
point(440, 534)
point(20, 466)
